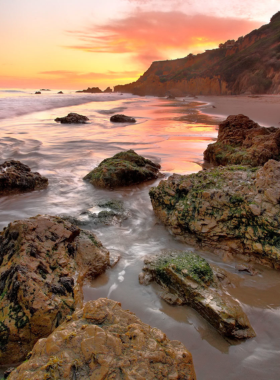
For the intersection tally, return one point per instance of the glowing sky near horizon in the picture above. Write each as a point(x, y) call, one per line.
point(80, 43)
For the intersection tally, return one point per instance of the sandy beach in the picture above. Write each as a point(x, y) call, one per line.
point(264, 109)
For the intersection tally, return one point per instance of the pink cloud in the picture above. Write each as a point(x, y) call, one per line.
point(150, 36)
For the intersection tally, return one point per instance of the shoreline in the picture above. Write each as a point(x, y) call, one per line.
point(263, 109)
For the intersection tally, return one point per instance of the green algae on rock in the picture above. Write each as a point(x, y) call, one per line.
point(123, 169)
point(188, 279)
point(39, 259)
point(234, 209)
point(103, 341)
point(242, 141)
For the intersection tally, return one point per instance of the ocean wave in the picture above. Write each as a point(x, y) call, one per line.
point(12, 106)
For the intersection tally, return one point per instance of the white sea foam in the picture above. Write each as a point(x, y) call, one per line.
point(16, 103)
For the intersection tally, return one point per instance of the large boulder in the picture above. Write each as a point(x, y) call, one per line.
point(103, 341)
point(72, 118)
point(16, 177)
point(188, 279)
point(40, 258)
point(123, 169)
point(232, 209)
point(118, 118)
point(242, 141)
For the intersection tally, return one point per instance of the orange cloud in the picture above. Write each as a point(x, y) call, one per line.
point(78, 76)
point(149, 36)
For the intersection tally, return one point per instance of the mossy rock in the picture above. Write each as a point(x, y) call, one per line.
point(123, 169)
point(187, 264)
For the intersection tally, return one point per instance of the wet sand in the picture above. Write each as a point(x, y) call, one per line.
point(264, 109)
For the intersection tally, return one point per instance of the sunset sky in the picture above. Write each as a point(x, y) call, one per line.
point(74, 44)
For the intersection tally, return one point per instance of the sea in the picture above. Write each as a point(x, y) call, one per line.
point(173, 133)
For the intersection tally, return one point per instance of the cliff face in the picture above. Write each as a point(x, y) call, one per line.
point(251, 65)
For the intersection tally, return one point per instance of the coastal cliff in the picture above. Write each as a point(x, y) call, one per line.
point(251, 64)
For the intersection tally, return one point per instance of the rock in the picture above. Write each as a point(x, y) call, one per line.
point(113, 215)
point(37, 93)
point(39, 259)
point(123, 169)
point(232, 209)
point(122, 119)
point(242, 141)
point(16, 177)
point(60, 92)
point(72, 118)
point(108, 89)
point(8, 372)
point(92, 90)
point(45, 89)
point(246, 268)
point(188, 279)
point(103, 341)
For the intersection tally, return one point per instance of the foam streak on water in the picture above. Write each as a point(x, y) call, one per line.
point(15, 103)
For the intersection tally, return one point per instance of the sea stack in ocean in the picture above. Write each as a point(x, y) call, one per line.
point(123, 169)
point(15, 177)
point(188, 279)
point(242, 141)
point(72, 118)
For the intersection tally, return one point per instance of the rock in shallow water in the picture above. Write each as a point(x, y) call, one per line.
point(103, 341)
point(123, 169)
point(39, 259)
point(72, 118)
point(242, 141)
point(188, 279)
point(122, 119)
point(16, 177)
point(231, 209)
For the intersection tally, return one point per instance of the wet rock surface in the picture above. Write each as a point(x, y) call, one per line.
point(123, 169)
point(72, 118)
point(112, 213)
point(103, 341)
point(122, 119)
point(40, 258)
point(15, 177)
point(188, 279)
point(242, 141)
point(234, 209)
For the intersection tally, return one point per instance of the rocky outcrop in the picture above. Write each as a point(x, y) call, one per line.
point(123, 169)
point(37, 93)
point(72, 118)
point(188, 279)
point(16, 177)
point(242, 141)
point(108, 90)
point(122, 119)
point(103, 341)
point(251, 65)
point(40, 258)
point(232, 209)
point(91, 90)
point(60, 92)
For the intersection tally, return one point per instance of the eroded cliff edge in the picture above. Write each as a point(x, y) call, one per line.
point(251, 65)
